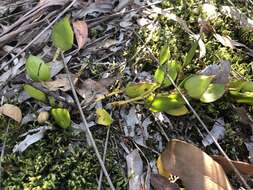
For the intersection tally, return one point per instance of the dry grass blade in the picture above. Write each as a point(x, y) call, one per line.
point(198, 117)
point(86, 129)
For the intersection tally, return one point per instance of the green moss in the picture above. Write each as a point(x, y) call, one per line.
point(57, 162)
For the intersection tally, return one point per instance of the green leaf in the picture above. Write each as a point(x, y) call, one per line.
point(246, 97)
point(197, 85)
point(236, 85)
point(164, 70)
point(213, 93)
point(172, 104)
point(61, 117)
point(137, 89)
point(191, 53)
point(103, 117)
point(164, 54)
point(247, 86)
point(35, 93)
point(63, 35)
point(36, 69)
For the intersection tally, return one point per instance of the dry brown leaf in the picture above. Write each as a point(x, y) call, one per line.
point(11, 111)
point(60, 83)
point(162, 183)
point(89, 88)
point(81, 32)
point(225, 40)
point(243, 167)
point(197, 170)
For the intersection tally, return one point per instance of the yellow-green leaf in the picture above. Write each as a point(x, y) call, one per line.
point(236, 85)
point(103, 117)
point(35, 93)
point(213, 93)
point(245, 98)
point(63, 36)
point(36, 69)
point(164, 54)
point(171, 69)
point(247, 86)
point(197, 85)
point(172, 104)
point(137, 89)
point(61, 117)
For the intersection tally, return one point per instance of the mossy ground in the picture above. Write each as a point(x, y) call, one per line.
point(58, 161)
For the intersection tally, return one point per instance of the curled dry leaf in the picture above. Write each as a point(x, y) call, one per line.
point(197, 170)
point(81, 32)
point(243, 167)
point(11, 111)
point(225, 40)
point(162, 183)
point(43, 117)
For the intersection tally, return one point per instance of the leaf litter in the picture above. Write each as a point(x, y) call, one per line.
point(100, 47)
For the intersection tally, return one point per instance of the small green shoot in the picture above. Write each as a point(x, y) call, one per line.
point(61, 117)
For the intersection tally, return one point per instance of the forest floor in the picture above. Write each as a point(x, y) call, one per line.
point(124, 45)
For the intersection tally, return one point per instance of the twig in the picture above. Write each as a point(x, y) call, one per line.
point(199, 119)
point(104, 156)
point(86, 129)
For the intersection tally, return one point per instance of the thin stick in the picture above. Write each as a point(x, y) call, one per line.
point(86, 129)
point(199, 119)
point(104, 156)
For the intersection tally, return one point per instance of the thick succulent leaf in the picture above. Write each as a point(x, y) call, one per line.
point(61, 117)
point(197, 85)
point(164, 54)
point(236, 85)
point(63, 36)
point(36, 69)
point(171, 104)
point(247, 86)
point(245, 98)
point(213, 93)
point(137, 89)
point(171, 69)
point(35, 93)
point(103, 117)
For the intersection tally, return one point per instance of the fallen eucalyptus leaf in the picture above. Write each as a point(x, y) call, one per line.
point(35, 93)
point(61, 117)
point(218, 132)
point(36, 69)
point(62, 35)
point(224, 40)
point(243, 167)
point(160, 182)
point(220, 71)
point(196, 169)
point(213, 93)
point(30, 139)
point(134, 170)
point(250, 149)
point(81, 32)
point(104, 117)
point(197, 85)
point(11, 111)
